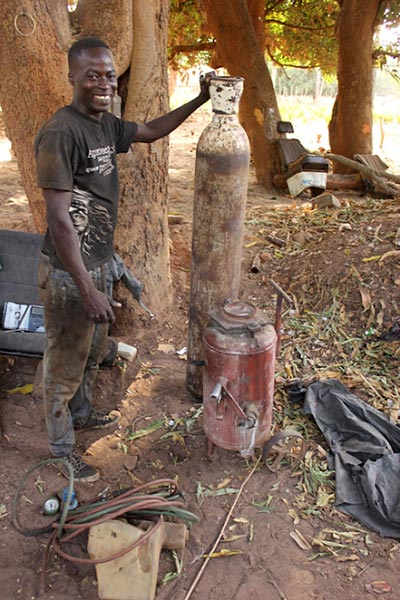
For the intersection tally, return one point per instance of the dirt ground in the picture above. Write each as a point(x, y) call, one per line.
point(291, 542)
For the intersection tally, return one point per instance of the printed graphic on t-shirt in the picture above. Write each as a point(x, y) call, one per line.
point(101, 160)
point(91, 220)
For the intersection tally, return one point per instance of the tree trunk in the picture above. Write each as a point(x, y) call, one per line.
point(318, 84)
point(350, 128)
point(241, 49)
point(34, 80)
point(111, 21)
point(257, 15)
point(142, 228)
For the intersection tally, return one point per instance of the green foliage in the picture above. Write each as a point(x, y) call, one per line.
point(387, 43)
point(298, 33)
point(389, 13)
point(316, 475)
point(188, 43)
point(301, 33)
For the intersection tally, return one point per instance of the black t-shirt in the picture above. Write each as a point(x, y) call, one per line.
point(77, 153)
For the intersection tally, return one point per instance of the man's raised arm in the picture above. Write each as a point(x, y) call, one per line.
point(162, 126)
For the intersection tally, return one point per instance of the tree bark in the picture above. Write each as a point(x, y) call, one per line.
point(241, 50)
point(33, 62)
point(350, 128)
point(257, 15)
point(142, 230)
point(111, 21)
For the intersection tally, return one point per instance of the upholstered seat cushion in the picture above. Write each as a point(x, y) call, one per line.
point(19, 261)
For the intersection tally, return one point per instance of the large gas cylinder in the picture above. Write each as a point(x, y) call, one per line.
point(221, 176)
point(238, 378)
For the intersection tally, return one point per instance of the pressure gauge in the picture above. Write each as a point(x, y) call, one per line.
point(51, 507)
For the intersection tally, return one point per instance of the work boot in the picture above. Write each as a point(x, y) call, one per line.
point(83, 473)
point(112, 351)
point(98, 420)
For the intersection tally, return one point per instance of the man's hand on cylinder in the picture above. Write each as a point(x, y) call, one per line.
point(205, 83)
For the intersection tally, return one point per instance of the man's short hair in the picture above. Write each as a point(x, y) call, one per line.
point(84, 44)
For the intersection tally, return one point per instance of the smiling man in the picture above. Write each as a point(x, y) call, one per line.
point(77, 170)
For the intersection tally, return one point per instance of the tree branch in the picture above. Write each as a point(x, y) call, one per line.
point(293, 26)
point(381, 52)
point(277, 62)
point(190, 48)
point(378, 177)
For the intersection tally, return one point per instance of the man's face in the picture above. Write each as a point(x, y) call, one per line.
point(94, 80)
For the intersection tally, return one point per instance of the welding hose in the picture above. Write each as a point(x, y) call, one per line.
point(128, 503)
point(136, 504)
point(64, 512)
point(74, 522)
point(55, 545)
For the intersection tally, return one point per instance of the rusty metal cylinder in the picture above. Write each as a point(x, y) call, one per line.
point(221, 176)
point(238, 378)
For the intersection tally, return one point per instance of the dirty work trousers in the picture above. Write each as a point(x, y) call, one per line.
point(75, 348)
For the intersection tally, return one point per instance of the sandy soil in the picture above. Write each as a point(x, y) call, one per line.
point(292, 543)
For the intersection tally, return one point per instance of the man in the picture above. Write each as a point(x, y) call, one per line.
point(77, 170)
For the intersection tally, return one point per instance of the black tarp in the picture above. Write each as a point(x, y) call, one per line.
point(366, 448)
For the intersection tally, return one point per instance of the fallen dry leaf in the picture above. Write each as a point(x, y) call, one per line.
point(240, 520)
point(22, 389)
point(365, 298)
point(300, 540)
point(232, 538)
point(390, 254)
point(221, 553)
point(324, 499)
point(378, 587)
point(372, 258)
point(292, 513)
point(223, 483)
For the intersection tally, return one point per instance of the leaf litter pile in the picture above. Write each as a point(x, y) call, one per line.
point(341, 269)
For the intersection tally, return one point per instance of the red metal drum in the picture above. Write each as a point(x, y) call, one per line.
point(238, 381)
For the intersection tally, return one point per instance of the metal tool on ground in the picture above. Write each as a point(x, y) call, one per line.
point(285, 448)
point(51, 506)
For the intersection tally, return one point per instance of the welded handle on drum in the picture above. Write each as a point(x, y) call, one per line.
point(217, 394)
point(234, 405)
